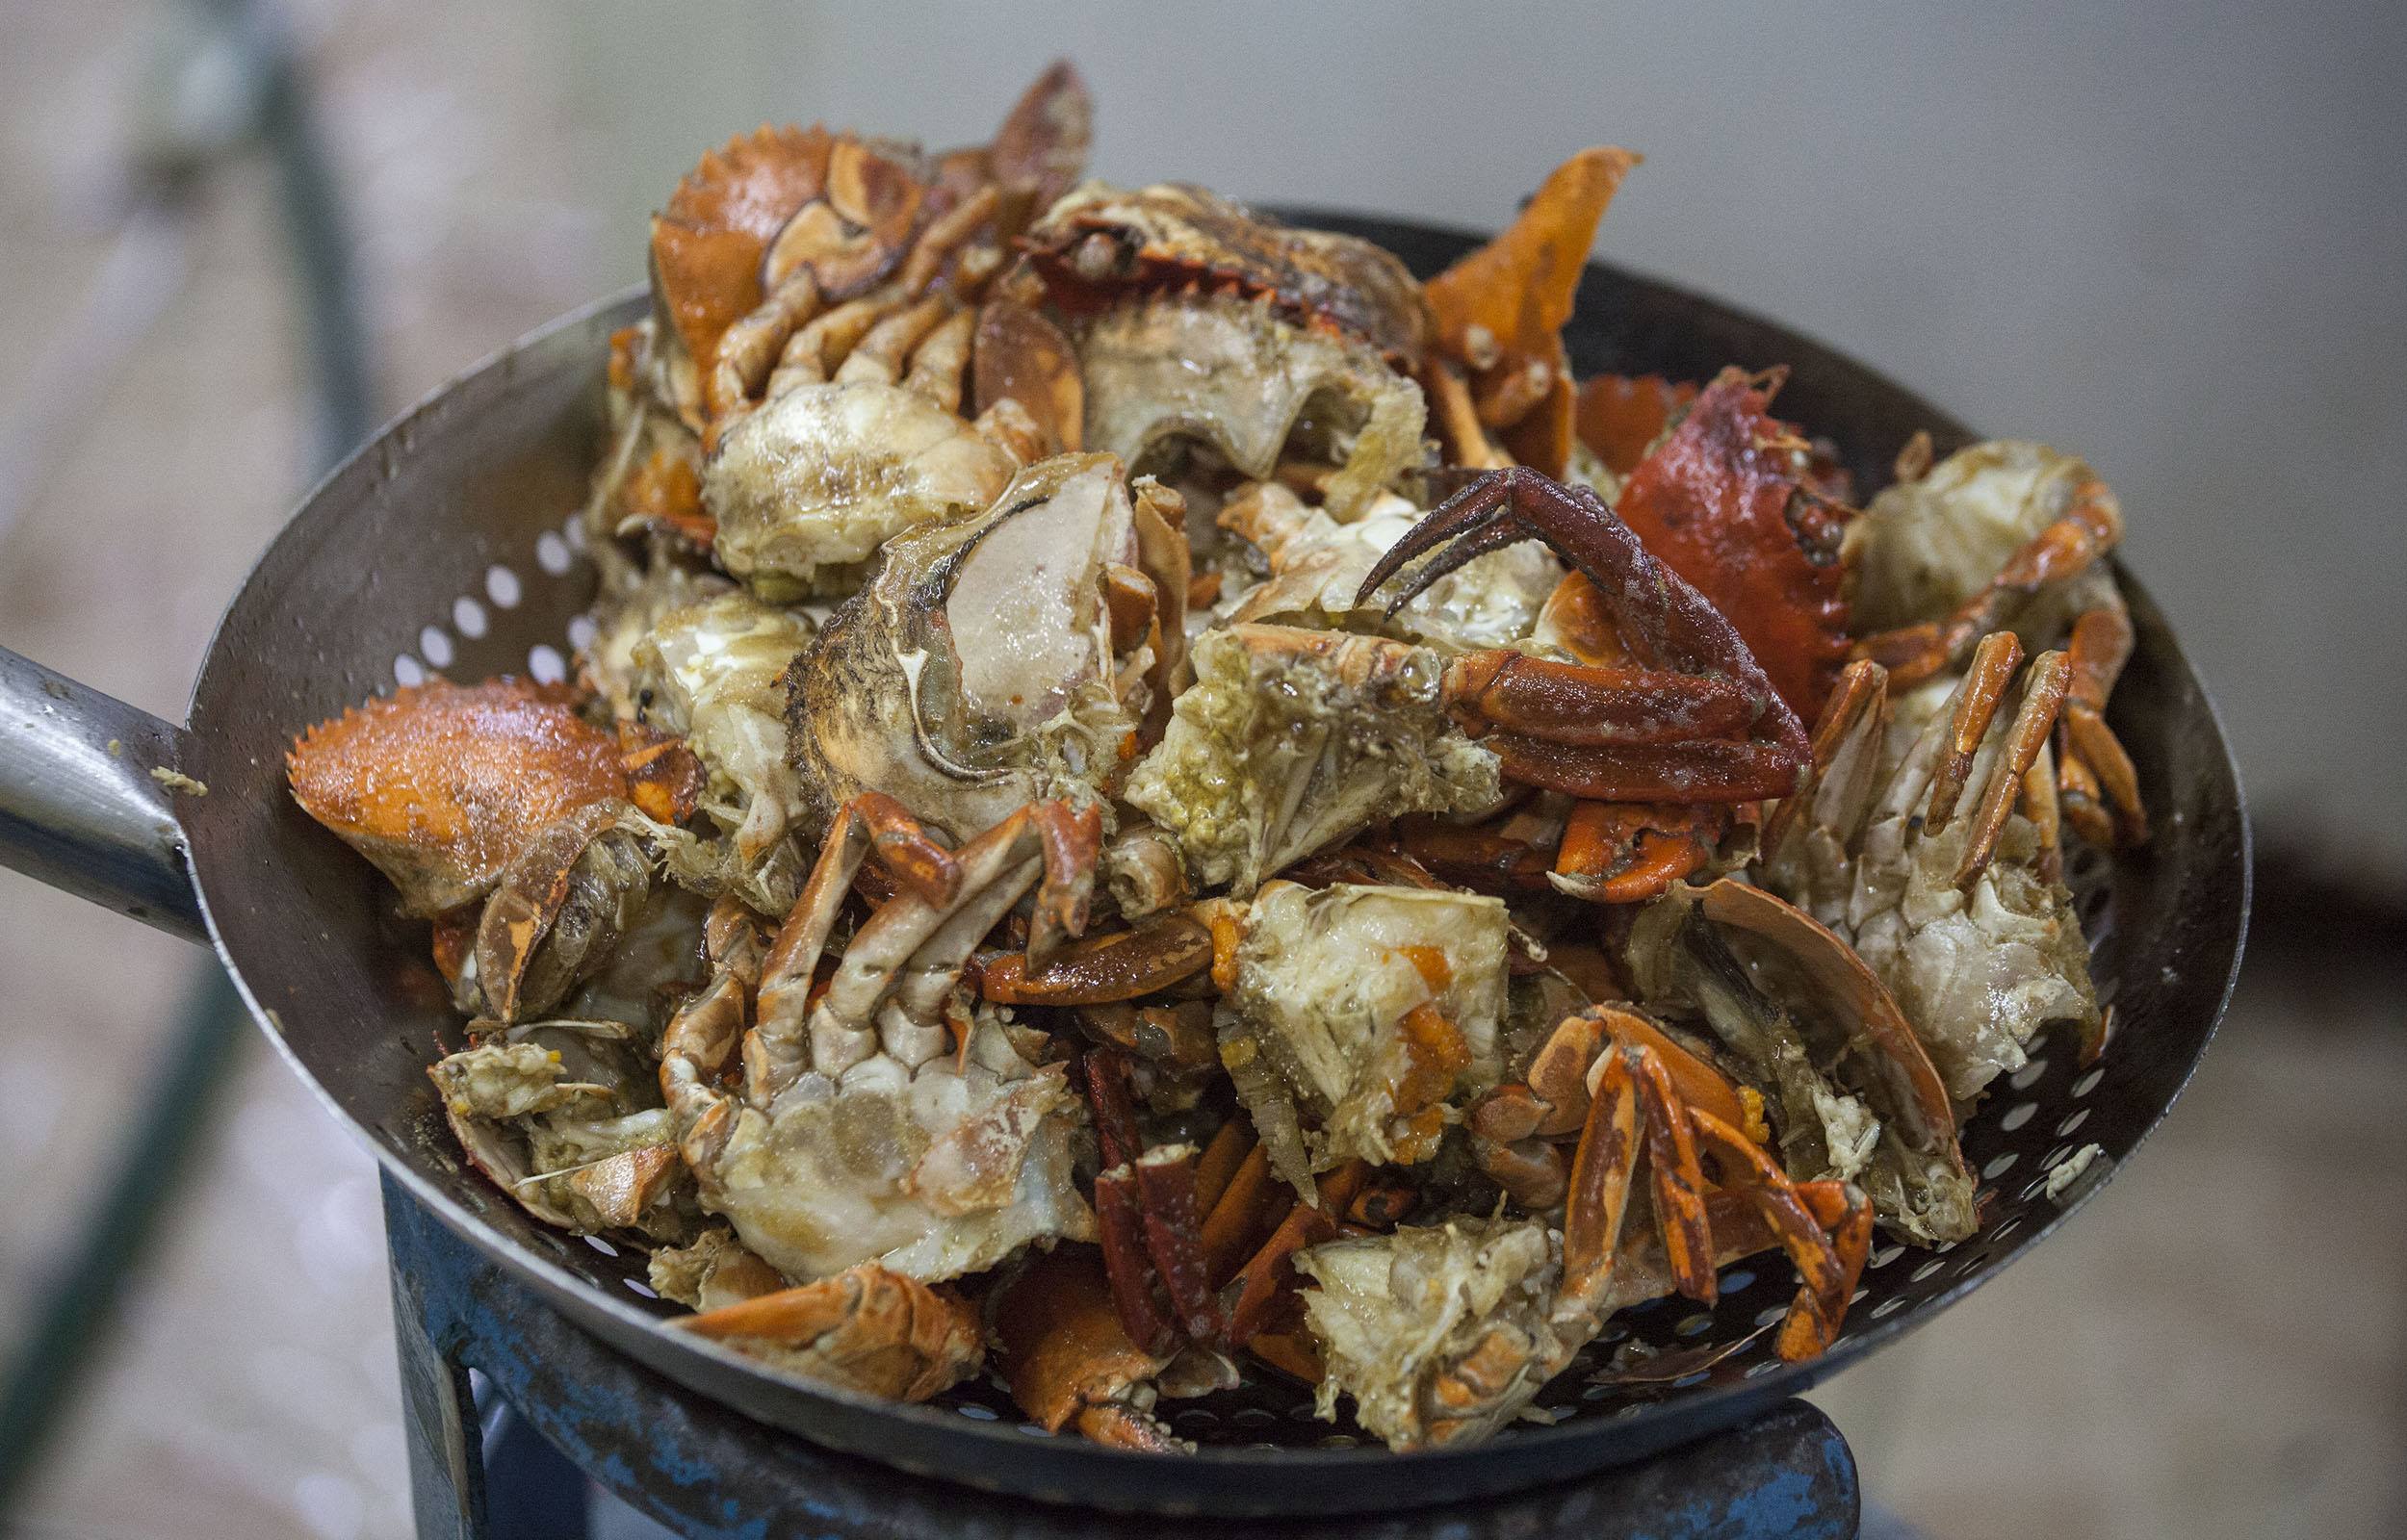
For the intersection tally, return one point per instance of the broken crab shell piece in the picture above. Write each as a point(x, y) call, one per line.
point(867, 1328)
point(1067, 1360)
point(1013, 658)
point(1231, 374)
point(1290, 740)
point(715, 1270)
point(560, 910)
point(713, 674)
point(1364, 1015)
point(854, 1136)
point(1197, 320)
point(441, 784)
point(810, 486)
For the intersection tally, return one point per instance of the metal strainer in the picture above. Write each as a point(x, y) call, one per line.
point(450, 545)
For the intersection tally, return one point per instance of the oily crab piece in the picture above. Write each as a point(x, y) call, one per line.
point(1500, 311)
point(1725, 503)
point(1718, 729)
point(867, 1328)
point(441, 784)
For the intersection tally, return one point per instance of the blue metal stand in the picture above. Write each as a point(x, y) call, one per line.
point(700, 1469)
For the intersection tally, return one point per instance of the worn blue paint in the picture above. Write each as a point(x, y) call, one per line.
point(709, 1473)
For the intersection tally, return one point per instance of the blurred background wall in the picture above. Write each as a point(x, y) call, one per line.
point(2170, 236)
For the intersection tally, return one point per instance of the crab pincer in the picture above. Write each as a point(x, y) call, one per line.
point(1695, 719)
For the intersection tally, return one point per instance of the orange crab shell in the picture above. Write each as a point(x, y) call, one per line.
point(441, 784)
point(1719, 503)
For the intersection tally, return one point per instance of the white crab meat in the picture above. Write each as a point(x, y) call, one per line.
point(1289, 741)
point(1317, 566)
point(713, 674)
point(929, 1171)
point(1317, 1033)
point(806, 488)
point(1396, 1314)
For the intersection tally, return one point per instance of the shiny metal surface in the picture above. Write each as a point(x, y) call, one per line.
point(79, 808)
point(388, 561)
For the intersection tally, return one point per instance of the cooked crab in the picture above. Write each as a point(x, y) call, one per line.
point(1445, 1333)
point(855, 1137)
point(1361, 1018)
point(442, 786)
point(2015, 535)
point(867, 1328)
point(563, 1117)
point(1014, 658)
point(711, 675)
point(1195, 321)
point(1907, 840)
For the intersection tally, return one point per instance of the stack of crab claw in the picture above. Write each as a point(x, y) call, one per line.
point(1154, 798)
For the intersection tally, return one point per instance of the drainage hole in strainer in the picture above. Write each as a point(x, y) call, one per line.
point(638, 1286)
point(1999, 1165)
point(2088, 1082)
point(553, 556)
point(468, 617)
point(1695, 1325)
point(436, 646)
point(1766, 1316)
point(601, 1245)
point(1737, 1281)
point(581, 631)
point(979, 1414)
point(1886, 1255)
point(2072, 1125)
point(1886, 1308)
point(500, 585)
point(1924, 1271)
point(2017, 1116)
point(2027, 1076)
point(1758, 1370)
point(406, 673)
point(544, 663)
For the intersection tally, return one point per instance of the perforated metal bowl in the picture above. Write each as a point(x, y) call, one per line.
point(450, 544)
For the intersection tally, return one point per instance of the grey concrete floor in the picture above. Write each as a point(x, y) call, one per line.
point(2214, 1349)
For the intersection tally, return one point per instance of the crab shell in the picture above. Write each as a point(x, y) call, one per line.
point(442, 786)
point(977, 673)
point(1171, 236)
point(1198, 317)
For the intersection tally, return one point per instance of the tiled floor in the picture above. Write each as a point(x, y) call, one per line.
point(2215, 1348)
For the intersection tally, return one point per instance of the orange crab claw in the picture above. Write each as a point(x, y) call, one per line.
point(441, 784)
point(1629, 852)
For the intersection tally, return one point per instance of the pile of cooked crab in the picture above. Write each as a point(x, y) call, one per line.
point(1152, 799)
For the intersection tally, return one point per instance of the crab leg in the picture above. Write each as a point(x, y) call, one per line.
point(1600, 1190)
point(833, 333)
point(878, 356)
point(1812, 1324)
point(2101, 645)
point(706, 1029)
point(1709, 771)
point(1067, 1357)
point(1976, 704)
point(748, 350)
point(1749, 1168)
point(946, 234)
point(1837, 784)
point(1270, 1270)
point(942, 363)
point(2089, 528)
point(870, 824)
point(1676, 1181)
point(1166, 1184)
point(867, 1327)
point(1102, 969)
point(2043, 696)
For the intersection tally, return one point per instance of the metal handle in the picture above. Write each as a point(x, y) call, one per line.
point(87, 789)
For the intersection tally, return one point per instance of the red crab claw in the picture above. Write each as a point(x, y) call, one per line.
point(1721, 731)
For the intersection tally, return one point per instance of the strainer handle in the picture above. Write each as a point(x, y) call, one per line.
point(81, 805)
